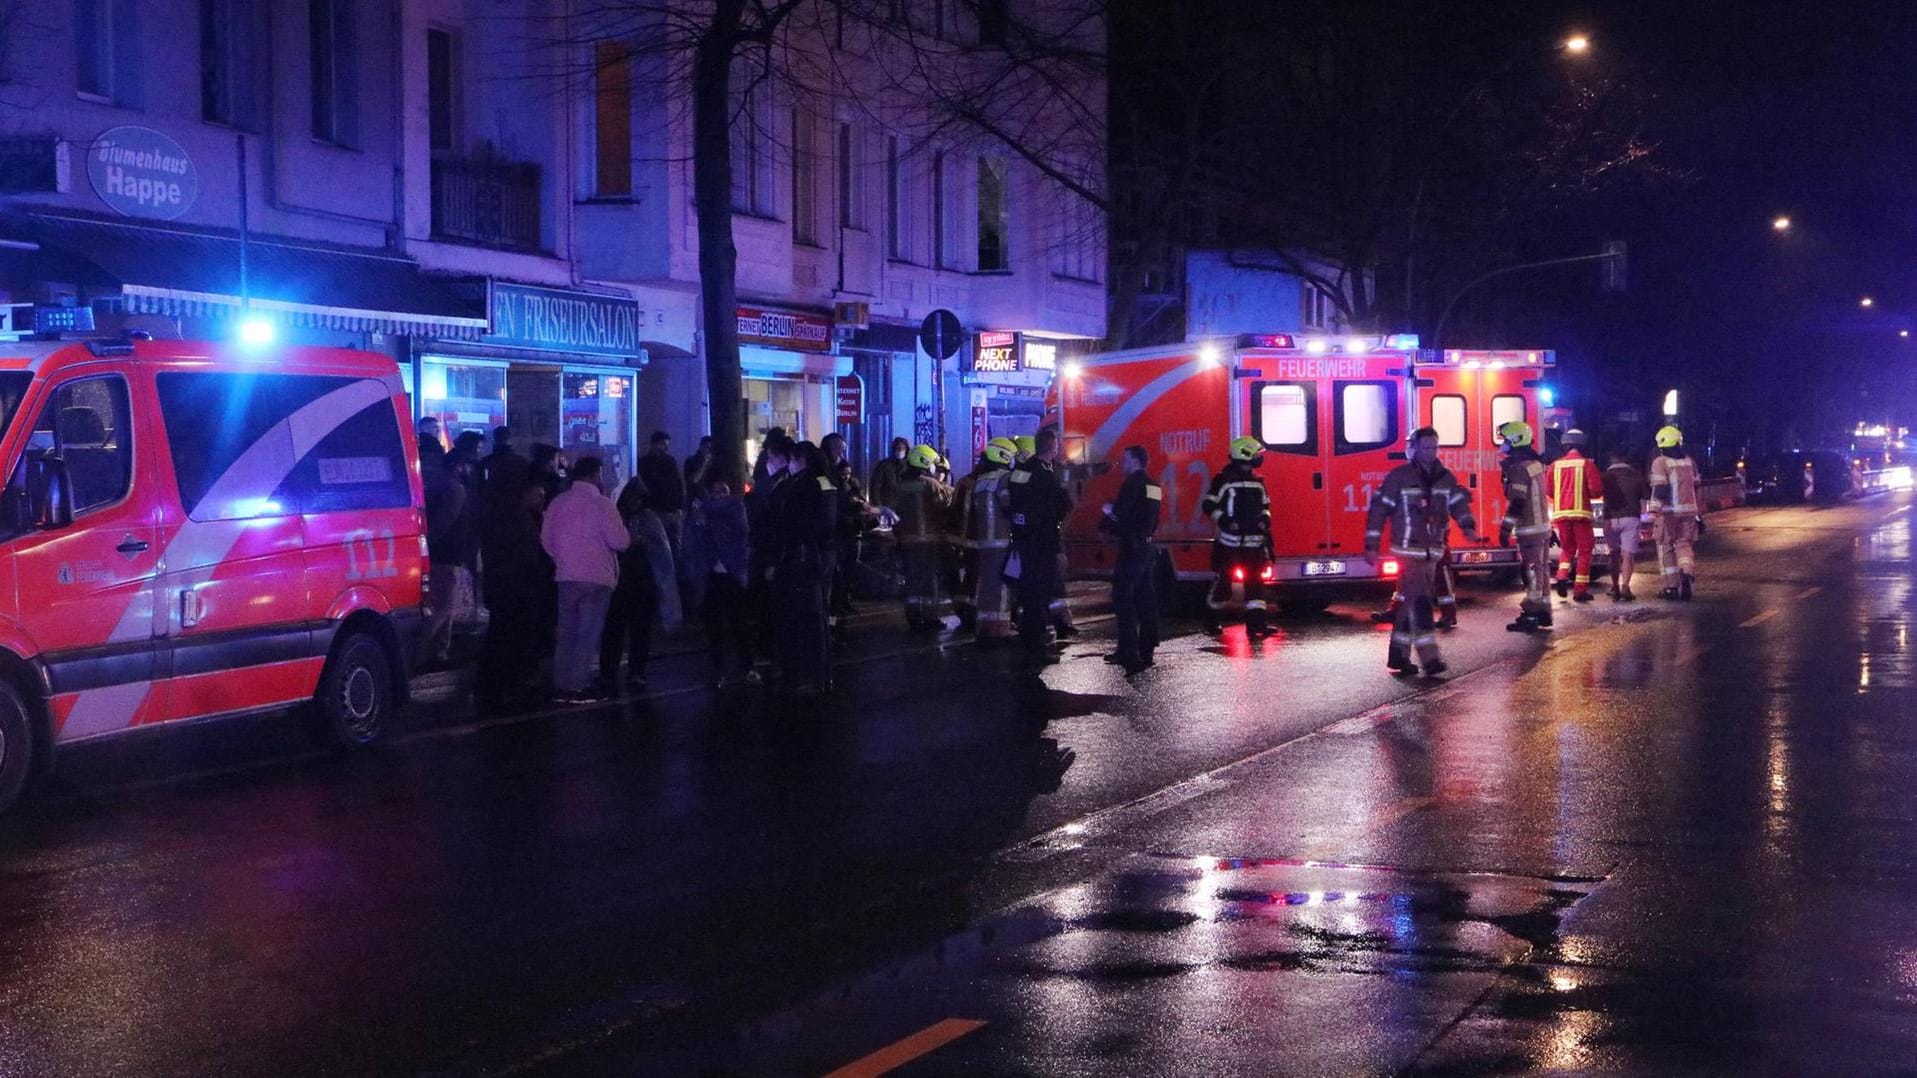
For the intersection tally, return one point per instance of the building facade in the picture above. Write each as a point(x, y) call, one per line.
point(500, 198)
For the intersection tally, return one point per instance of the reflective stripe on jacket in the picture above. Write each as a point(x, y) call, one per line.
point(1575, 484)
point(1674, 485)
point(1420, 507)
point(1528, 511)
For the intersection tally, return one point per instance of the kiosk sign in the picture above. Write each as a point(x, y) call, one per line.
point(139, 172)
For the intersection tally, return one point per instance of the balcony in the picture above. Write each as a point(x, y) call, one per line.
point(487, 202)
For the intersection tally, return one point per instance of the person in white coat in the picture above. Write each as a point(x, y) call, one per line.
point(583, 535)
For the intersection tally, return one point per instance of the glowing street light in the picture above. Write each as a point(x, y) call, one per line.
point(1577, 43)
point(1867, 303)
point(1780, 223)
point(1903, 333)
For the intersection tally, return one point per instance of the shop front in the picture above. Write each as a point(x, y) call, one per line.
point(559, 367)
point(1003, 377)
point(791, 377)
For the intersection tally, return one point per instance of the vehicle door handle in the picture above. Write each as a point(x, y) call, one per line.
point(1317, 480)
point(1474, 480)
point(130, 545)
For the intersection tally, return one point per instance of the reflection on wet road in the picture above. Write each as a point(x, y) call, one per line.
point(1666, 838)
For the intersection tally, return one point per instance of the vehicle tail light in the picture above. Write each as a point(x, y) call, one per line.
point(1238, 574)
point(1270, 574)
point(1389, 567)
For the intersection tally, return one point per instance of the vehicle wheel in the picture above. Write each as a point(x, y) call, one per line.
point(16, 745)
point(355, 692)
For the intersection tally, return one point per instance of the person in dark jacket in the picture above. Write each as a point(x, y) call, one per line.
point(775, 461)
point(804, 511)
point(1131, 519)
point(548, 468)
point(762, 465)
point(1039, 504)
point(665, 486)
point(504, 463)
point(695, 470)
point(635, 599)
point(518, 579)
point(887, 473)
point(1625, 497)
point(445, 507)
point(718, 555)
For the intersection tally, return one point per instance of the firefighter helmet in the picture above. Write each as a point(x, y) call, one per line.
point(1027, 446)
point(1000, 450)
point(1576, 439)
point(1670, 438)
point(924, 458)
point(1246, 449)
point(1517, 434)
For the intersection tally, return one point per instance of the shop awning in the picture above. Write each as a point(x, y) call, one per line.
point(162, 269)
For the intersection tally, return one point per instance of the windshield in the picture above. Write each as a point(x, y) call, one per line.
point(13, 387)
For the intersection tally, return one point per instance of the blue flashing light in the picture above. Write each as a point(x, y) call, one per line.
point(1547, 396)
point(257, 332)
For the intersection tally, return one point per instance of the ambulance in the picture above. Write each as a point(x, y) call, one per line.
point(196, 530)
point(1334, 415)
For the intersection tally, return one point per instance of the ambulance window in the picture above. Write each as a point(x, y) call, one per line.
point(1508, 408)
point(88, 424)
point(1285, 420)
point(1447, 417)
point(1367, 415)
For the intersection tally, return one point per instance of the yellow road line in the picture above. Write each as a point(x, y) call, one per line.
point(898, 1054)
point(1759, 619)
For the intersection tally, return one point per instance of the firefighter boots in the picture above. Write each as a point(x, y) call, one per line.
point(1684, 587)
point(1526, 623)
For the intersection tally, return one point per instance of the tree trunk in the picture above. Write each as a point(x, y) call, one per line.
point(718, 256)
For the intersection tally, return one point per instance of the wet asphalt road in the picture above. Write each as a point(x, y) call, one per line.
point(1663, 839)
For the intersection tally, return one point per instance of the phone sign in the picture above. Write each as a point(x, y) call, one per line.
point(997, 353)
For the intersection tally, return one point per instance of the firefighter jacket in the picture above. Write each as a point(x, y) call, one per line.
point(1238, 504)
point(1674, 485)
point(1575, 484)
point(1038, 504)
point(1134, 515)
point(919, 500)
point(988, 523)
point(1528, 511)
point(1420, 506)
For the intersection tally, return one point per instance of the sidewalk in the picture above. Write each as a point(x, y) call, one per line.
point(879, 620)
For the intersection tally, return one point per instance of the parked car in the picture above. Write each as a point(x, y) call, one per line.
point(194, 530)
point(1819, 475)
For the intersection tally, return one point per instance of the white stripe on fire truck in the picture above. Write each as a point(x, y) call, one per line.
point(1122, 418)
point(256, 473)
point(104, 710)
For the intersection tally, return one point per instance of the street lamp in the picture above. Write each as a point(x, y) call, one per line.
point(1577, 43)
point(1903, 333)
point(1867, 303)
point(1780, 223)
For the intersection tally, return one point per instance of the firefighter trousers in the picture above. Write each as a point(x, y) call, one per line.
point(990, 597)
point(1239, 567)
point(1416, 624)
point(1534, 555)
point(1038, 586)
point(920, 560)
point(1577, 540)
point(1676, 546)
point(1135, 602)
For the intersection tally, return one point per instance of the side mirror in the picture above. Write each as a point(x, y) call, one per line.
point(49, 493)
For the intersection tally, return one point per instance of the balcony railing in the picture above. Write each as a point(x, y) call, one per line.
point(487, 202)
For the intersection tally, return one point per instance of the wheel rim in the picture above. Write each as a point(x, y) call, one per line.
point(359, 701)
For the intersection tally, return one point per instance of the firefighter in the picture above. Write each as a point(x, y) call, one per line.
point(1528, 518)
point(1038, 503)
point(959, 552)
point(1240, 509)
point(1027, 445)
point(919, 499)
point(1131, 518)
point(1420, 498)
point(806, 512)
point(1674, 508)
point(987, 531)
point(1575, 485)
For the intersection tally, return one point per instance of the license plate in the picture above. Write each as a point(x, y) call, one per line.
point(1602, 550)
point(1476, 557)
point(1324, 568)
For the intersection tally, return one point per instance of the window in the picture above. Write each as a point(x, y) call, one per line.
point(901, 223)
point(1367, 416)
point(851, 179)
point(88, 424)
point(596, 421)
point(442, 91)
point(941, 230)
point(106, 40)
point(993, 216)
point(1447, 418)
point(335, 72)
point(1505, 409)
point(1316, 312)
point(231, 439)
point(226, 62)
point(1076, 254)
point(806, 162)
point(612, 119)
point(752, 176)
point(1285, 419)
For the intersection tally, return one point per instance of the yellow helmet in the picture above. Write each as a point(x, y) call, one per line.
point(1517, 434)
point(924, 458)
point(1246, 449)
point(1027, 446)
point(1670, 438)
point(1001, 450)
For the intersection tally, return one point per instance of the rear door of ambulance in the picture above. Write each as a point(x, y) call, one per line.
point(1365, 416)
point(1466, 396)
point(87, 589)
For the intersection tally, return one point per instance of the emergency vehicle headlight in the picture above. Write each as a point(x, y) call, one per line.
point(1497, 364)
point(1357, 344)
point(1315, 347)
point(1389, 567)
point(1208, 353)
point(1473, 364)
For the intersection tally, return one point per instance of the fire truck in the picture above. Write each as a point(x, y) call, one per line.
point(1334, 415)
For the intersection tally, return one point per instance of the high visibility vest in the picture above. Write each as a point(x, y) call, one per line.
point(1574, 486)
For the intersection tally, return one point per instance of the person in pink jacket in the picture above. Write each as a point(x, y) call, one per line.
point(583, 535)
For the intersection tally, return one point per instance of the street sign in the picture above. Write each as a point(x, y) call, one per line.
point(941, 335)
point(849, 393)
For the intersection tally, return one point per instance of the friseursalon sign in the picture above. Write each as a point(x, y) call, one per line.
point(556, 320)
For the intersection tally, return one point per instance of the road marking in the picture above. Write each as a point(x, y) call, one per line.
point(1759, 619)
point(898, 1054)
point(1806, 593)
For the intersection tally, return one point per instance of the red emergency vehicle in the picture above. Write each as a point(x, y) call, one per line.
point(193, 530)
point(1334, 415)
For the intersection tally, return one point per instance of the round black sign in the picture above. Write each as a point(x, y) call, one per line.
point(941, 335)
